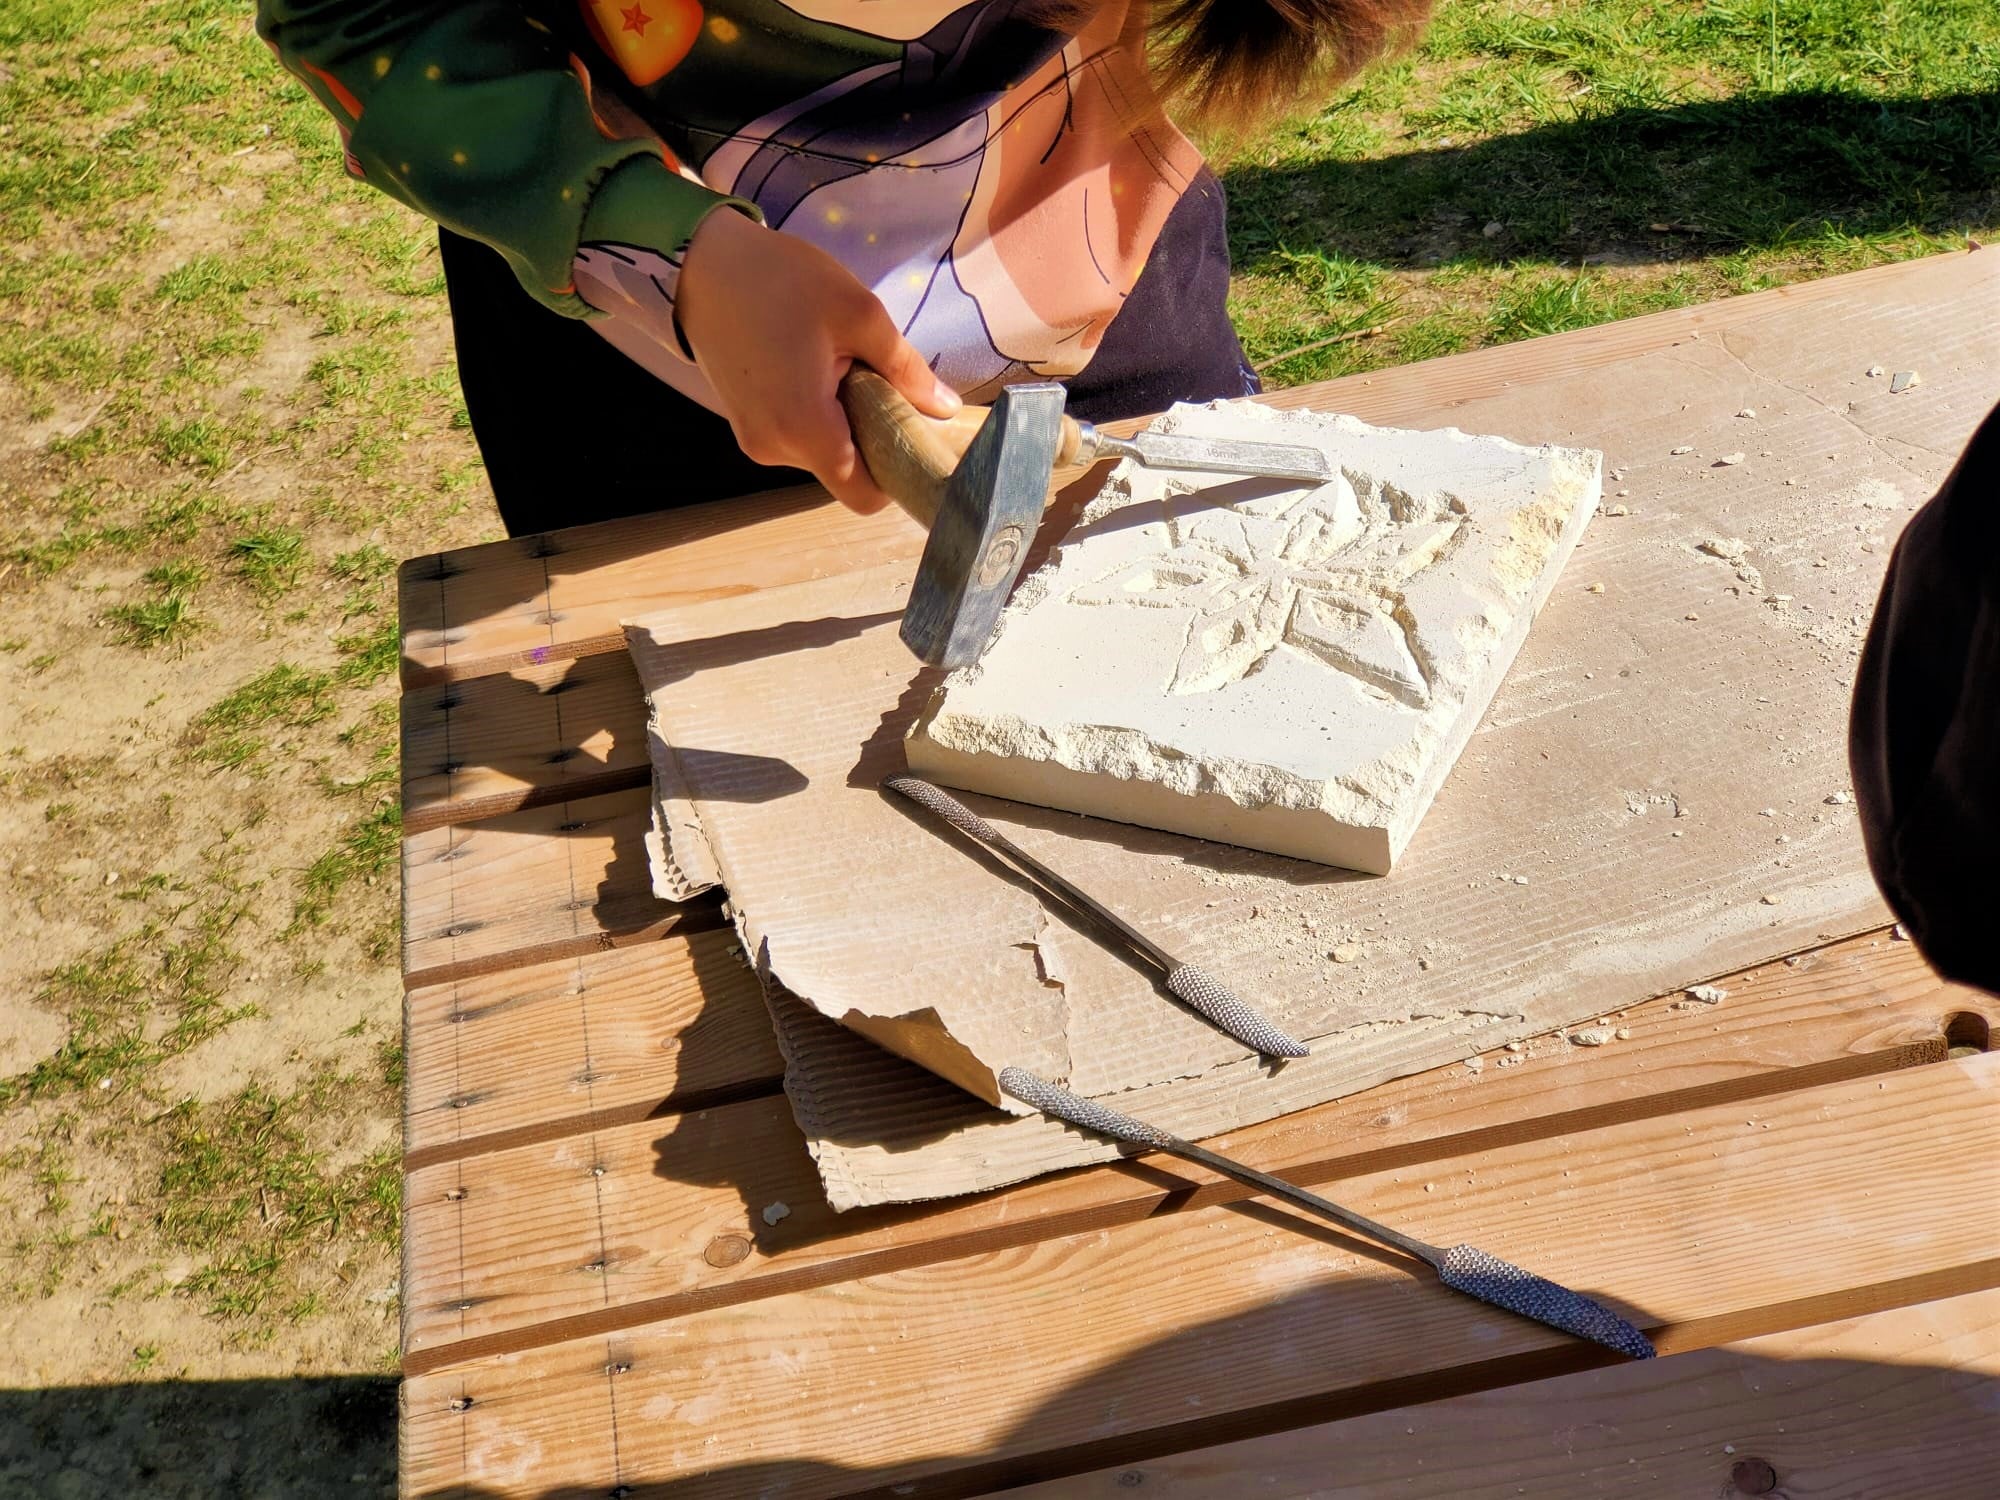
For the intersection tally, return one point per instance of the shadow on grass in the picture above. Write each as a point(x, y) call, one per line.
point(300, 1439)
point(1742, 174)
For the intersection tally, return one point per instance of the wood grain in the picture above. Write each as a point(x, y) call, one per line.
point(1897, 1403)
point(585, 1043)
point(641, 1329)
point(1706, 1226)
point(546, 883)
point(482, 609)
point(499, 1230)
point(909, 456)
point(479, 746)
point(531, 600)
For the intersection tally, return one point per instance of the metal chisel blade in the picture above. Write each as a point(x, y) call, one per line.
point(1158, 450)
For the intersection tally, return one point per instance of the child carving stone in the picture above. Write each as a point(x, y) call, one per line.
point(743, 197)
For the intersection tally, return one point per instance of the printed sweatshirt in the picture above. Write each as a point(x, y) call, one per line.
point(996, 183)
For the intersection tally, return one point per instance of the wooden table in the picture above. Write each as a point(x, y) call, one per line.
point(602, 1298)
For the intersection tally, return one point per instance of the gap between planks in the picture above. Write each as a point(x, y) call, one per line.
point(697, 916)
point(1717, 1225)
point(1890, 1403)
point(1832, 1013)
point(536, 885)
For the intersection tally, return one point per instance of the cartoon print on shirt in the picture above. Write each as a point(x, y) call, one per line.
point(953, 164)
point(646, 38)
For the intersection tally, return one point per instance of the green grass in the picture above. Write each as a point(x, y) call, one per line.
point(246, 1184)
point(143, 998)
point(199, 443)
point(228, 353)
point(168, 617)
point(1537, 168)
point(369, 657)
point(83, 529)
point(233, 733)
point(269, 561)
point(362, 565)
point(367, 851)
point(183, 576)
point(167, 620)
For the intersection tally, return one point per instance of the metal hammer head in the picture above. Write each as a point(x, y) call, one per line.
point(985, 524)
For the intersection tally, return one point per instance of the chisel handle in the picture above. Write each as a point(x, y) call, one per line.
point(911, 456)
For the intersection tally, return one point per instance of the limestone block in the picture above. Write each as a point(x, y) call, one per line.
point(1283, 668)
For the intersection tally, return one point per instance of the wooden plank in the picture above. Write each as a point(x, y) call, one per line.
point(679, 1203)
point(546, 883)
point(581, 1044)
point(503, 585)
point(479, 746)
point(528, 600)
point(483, 609)
point(1897, 1403)
point(1707, 1226)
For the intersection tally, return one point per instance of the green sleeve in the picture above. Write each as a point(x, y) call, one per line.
point(475, 116)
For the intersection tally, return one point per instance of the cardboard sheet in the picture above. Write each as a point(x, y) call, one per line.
point(1656, 794)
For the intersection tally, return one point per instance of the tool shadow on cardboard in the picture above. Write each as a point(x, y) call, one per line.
point(1547, 885)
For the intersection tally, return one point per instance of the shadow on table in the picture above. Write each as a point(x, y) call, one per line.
point(1883, 1428)
point(1721, 1421)
point(520, 570)
point(335, 1438)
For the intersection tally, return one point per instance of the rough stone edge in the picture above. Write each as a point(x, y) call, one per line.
point(959, 764)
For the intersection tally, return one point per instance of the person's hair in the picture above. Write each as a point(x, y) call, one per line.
point(1240, 62)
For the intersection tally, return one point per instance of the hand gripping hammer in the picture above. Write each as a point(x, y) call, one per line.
point(980, 482)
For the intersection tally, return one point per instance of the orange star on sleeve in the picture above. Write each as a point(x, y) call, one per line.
point(646, 38)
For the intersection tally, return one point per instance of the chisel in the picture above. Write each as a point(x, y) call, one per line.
point(1196, 988)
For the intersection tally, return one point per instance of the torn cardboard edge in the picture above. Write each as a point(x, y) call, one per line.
point(1656, 914)
point(690, 858)
point(682, 864)
point(877, 1137)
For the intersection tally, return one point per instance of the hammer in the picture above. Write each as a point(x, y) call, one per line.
point(980, 481)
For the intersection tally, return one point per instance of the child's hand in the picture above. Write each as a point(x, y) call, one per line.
point(774, 322)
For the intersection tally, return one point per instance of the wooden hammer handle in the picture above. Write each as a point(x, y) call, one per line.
point(910, 455)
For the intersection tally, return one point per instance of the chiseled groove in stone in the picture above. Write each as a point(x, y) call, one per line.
point(1288, 669)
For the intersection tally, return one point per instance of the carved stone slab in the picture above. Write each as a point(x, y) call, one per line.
point(1287, 669)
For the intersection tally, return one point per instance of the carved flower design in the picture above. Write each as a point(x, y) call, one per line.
point(1313, 574)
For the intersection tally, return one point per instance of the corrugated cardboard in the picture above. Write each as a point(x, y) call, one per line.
point(1652, 798)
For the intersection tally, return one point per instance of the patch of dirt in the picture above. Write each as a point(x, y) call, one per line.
point(109, 828)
